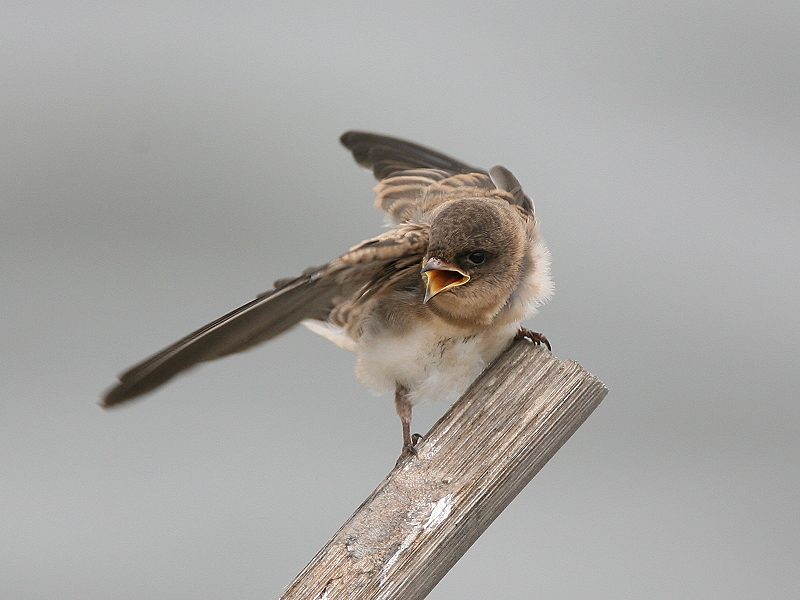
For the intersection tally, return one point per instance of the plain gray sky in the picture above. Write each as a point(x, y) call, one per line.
point(162, 163)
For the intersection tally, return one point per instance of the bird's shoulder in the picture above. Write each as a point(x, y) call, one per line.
point(385, 265)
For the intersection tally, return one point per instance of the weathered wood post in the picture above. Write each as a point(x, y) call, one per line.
point(430, 509)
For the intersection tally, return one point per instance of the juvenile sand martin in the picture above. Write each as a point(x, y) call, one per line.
point(425, 306)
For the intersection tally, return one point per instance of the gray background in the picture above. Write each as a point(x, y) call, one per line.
point(161, 163)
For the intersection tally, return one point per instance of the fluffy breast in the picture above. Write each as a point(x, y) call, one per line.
point(433, 362)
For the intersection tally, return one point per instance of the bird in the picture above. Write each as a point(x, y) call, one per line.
point(425, 306)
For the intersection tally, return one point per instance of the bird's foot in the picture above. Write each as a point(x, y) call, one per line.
point(534, 336)
point(409, 448)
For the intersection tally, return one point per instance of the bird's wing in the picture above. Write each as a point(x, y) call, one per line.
point(310, 296)
point(259, 320)
point(408, 172)
point(385, 155)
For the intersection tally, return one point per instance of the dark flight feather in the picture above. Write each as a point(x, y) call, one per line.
point(385, 155)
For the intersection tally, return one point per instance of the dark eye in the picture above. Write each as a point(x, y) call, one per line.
point(476, 257)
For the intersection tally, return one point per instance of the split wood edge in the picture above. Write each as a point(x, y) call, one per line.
point(431, 508)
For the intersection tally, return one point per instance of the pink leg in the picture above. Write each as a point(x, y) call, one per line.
point(403, 407)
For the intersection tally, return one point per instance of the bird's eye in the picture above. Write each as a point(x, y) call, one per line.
point(476, 257)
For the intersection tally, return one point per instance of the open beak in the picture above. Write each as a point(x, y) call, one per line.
point(441, 276)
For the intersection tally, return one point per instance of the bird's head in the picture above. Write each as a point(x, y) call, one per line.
point(475, 259)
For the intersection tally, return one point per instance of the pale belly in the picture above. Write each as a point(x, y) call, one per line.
point(434, 363)
point(431, 365)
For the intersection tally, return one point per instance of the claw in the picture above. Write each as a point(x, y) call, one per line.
point(533, 336)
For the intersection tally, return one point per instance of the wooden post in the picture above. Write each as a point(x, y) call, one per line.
point(430, 509)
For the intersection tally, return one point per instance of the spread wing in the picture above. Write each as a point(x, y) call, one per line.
point(411, 175)
point(369, 268)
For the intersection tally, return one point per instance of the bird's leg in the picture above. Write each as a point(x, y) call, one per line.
point(403, 407)
point(535, 337)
